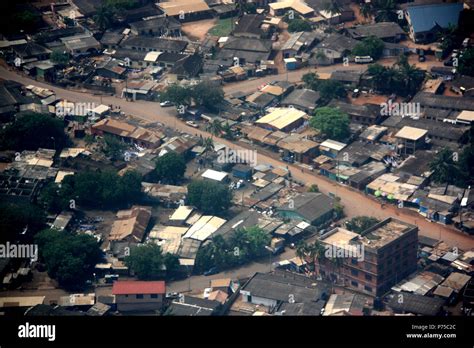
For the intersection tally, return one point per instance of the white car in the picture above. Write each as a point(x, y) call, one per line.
point(192, 124)
point(166, 103)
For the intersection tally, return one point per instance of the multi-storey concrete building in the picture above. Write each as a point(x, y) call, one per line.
point(372, 261)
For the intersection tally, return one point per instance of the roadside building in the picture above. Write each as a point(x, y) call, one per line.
point(311, 207)
point(131, 224)
point(282, 119)
point(139, 296)
point(372, 261)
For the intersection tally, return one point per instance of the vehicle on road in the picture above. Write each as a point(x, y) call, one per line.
point(166, 104)
point(211, 271)
point(192, 124)
point(363, 59)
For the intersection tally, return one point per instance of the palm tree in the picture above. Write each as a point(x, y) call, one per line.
point(104, 17)
point(228, 134)
point(332, 7)
point(215, 127)
point(208, 145)
point(366, 10)
point(411, 75)
point(385, 10)
point(317, 251)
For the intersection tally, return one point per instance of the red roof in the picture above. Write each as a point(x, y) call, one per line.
point(133, 287)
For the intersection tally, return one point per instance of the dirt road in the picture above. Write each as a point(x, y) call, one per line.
point(355, 202)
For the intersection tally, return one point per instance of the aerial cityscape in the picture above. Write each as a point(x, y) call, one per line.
point(283, 158)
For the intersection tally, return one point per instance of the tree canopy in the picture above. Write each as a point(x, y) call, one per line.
point(298, 24)
point(445, 167)
point(203, 94)
point(244, 245)
point(69, 258)
point(15, 217)
point(170, 168)
point(332, 122)
point(149, 263)
point(328, 89)
point(359, 224)
point(371, 46)
point(30, 131)
point(102, 189)
point(466, 63)
point(402, 79)
point(209, 197)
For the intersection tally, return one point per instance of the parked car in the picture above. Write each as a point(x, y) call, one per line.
point(211, 271)
point(421, 58)
point(192, 124)
point(166, 103)
point(363, 59)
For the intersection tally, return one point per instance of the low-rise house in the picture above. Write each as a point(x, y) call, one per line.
point(282, 119)
point(298, 148)
point(111, 39)
point(250, 26)
point(272, 289)
point(110, 68)
point(298, 43)
point(247, 50)
point(426, 21)
point(148, 43)
point(350, 78)
point(297, 6)
point(185, 10)
point(193, 306)
point(416, 304)
point(367, 114)
point(311, 207)
point(159, 26)
point(387, 31)
point(131, 224)
point(139, 296)
point(204, 228)
point(127, 132)
point(346, 304)
point(410, 139)
point(331, 148)
point(302, 99)
point(81, 44)
point(334, 48)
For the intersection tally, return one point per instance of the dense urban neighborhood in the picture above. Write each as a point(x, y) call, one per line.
point(236, 158)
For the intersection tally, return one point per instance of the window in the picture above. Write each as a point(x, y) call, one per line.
point(154, 295)
point(368, 277)
point(139, 296)
point(354, 261)
point(354, 272)
point(354, 284)
point(368, 288)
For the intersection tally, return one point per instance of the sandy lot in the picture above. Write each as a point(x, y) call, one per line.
point(198, 30)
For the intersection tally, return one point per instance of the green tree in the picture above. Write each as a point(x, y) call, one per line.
point(70, 259)
point(209, 197)
point(332, 122)
point(215, 128)
point(177, 94)
point(18, 217)
point(104, 18)
point(51, 198)
point(371, 46)
point(445, 170)
point(298, 24)
point(113, 147)
point(208, 95)
point(102, 189)
point(31, 131)
point(333, 7)
point(313, 188)
point(385, 10)
point(59, 57)
point(359, 224)
point(466, 63)
point(331, 89)
point(148, 262)
point(411, 76)
point(311, 81)
point(170, 168)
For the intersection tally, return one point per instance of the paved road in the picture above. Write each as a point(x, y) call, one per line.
point(355, 202)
